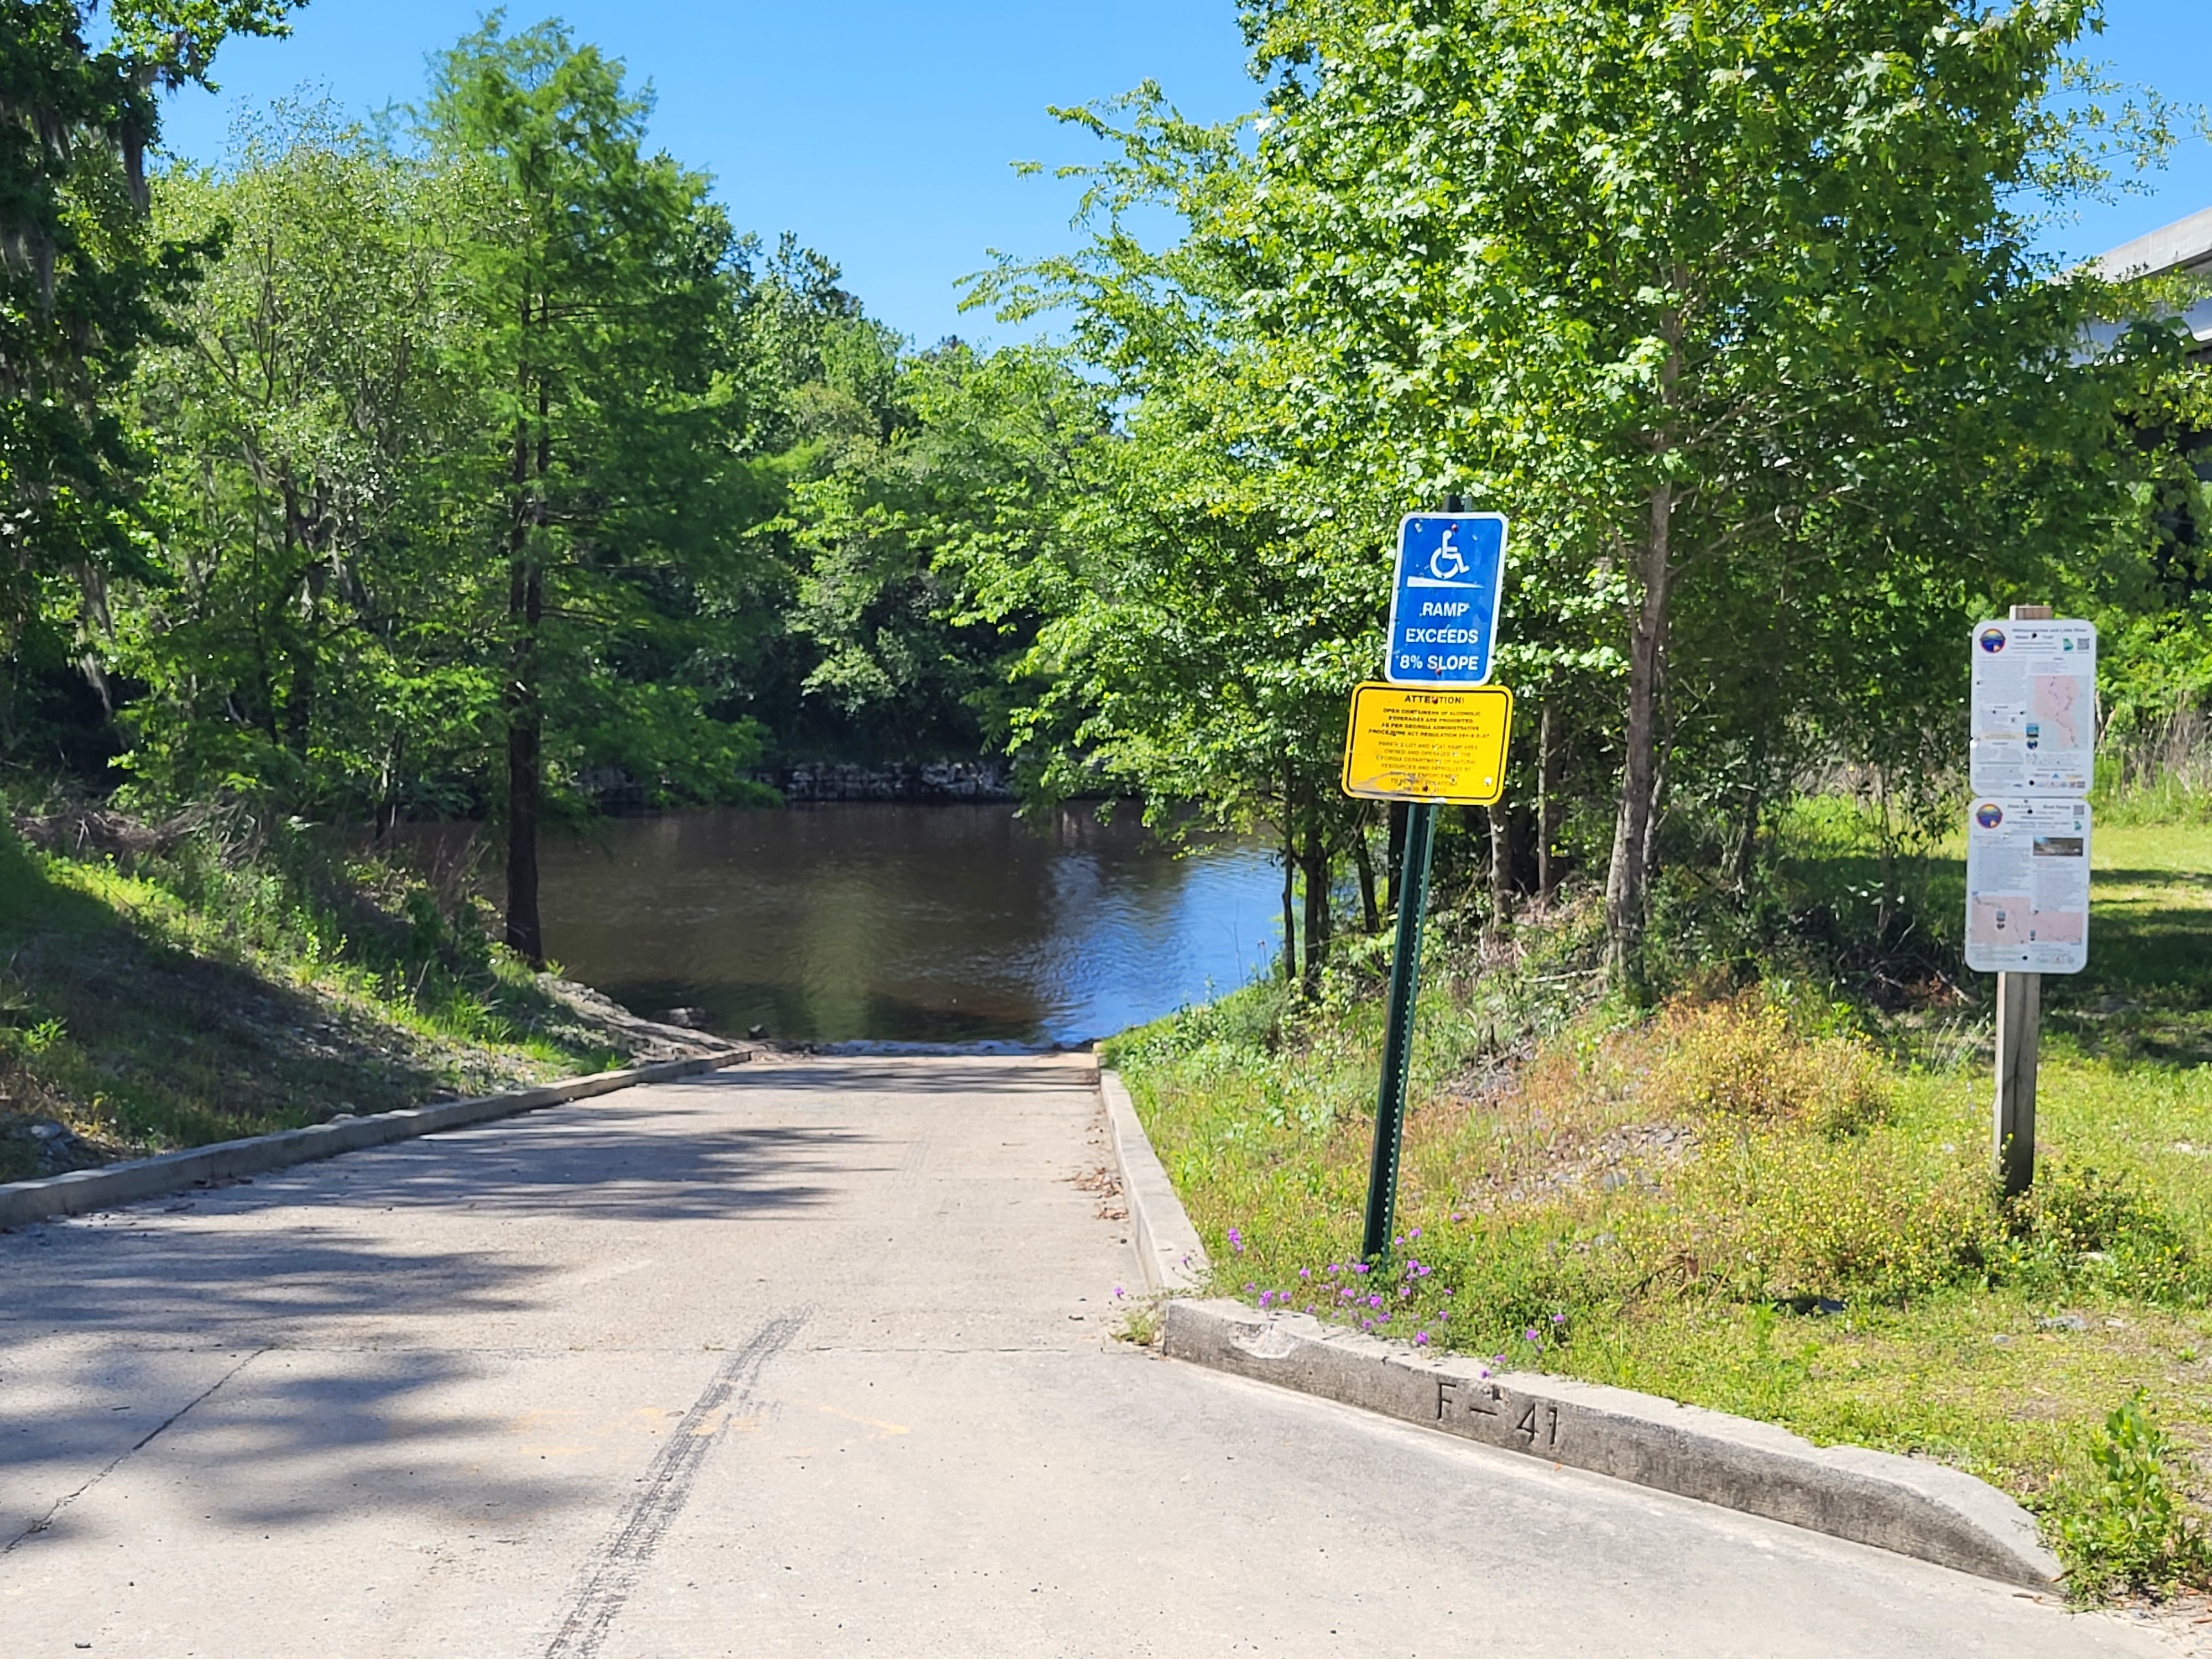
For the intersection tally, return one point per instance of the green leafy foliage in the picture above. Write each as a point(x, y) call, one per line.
point(82, 284)
point(1733, 311)
point(2127, 1523)
point(1773, 1201)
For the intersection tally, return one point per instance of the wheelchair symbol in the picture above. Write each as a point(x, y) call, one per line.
point(1438, 567)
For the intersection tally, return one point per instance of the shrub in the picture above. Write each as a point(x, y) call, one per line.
point(2100, 1225)
point(1742, 1059)
point(1776, 1216)
point(2123, 1524)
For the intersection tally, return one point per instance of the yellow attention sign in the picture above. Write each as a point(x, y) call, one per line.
point(1410, 744)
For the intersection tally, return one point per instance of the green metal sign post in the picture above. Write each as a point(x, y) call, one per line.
point(1428, 749)
point(1398, 1037)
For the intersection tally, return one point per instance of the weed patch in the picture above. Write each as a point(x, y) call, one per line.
point(1772, 1198)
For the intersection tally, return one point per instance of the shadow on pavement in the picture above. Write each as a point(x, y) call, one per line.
point(909, 1075)
point(111, 1324)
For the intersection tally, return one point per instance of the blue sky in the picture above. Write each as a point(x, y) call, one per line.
point(882, 132)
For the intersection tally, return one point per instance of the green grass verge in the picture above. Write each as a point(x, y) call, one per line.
point(1775, 1202)
point(151, 1000)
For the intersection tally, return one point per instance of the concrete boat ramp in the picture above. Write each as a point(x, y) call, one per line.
point(811, 1356)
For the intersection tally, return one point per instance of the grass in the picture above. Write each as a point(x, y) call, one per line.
point(1772, 1200)
point(204, 986)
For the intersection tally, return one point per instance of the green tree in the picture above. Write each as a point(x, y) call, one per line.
point(82, 285)
point(1732, 307)
point(930, 468)
point(1209, 598)
point(599, 286)
point(311, 642)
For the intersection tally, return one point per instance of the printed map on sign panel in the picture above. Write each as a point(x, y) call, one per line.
point(2034, 719)
point(2027, 886)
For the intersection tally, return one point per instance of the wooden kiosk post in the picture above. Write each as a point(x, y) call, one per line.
point(2020, 1026)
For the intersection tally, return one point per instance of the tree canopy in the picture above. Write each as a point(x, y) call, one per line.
point(472, 463)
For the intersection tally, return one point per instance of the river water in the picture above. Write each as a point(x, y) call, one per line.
point(903, 924)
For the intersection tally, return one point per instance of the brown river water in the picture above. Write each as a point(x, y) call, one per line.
point(907, 924)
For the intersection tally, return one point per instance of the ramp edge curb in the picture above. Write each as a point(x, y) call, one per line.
point(83, 1191)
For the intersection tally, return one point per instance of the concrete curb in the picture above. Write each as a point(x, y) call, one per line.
point(1168, 1248)
point(83, 1190)
point(1901, 1503)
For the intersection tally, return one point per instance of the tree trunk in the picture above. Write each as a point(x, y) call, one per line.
point(387, 786)
point(1744, 855)
point(1317, 918)
point(525, 762)
point(1371, 910)
point(1547, 790)
point(301, 687)
point(525, 714)
point(1666, 748)
point(1501, 872)
point(1627, 880)
point(1885, 907)
point(1290, 897)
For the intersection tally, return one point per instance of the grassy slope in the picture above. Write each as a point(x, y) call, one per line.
point(152, 1004)
point(1540, 1189)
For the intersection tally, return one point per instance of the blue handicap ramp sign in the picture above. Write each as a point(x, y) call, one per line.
point(1444, 612)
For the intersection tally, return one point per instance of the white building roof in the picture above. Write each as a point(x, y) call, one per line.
point(2183, 248)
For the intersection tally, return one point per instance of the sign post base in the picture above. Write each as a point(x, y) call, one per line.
point(2019, 999)
point(1398, 1036)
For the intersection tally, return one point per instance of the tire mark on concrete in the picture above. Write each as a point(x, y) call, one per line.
point(613, 1570)
point(48, 1519)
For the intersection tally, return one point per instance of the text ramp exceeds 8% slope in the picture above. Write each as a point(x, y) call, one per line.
point(1443, 608)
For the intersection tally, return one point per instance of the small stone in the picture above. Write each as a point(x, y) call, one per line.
point(2071, 1322)
point(47, 1129)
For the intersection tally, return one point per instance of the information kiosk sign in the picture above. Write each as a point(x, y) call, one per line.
point(2027, 886)
point(2034, 727)
point(1443, 611)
